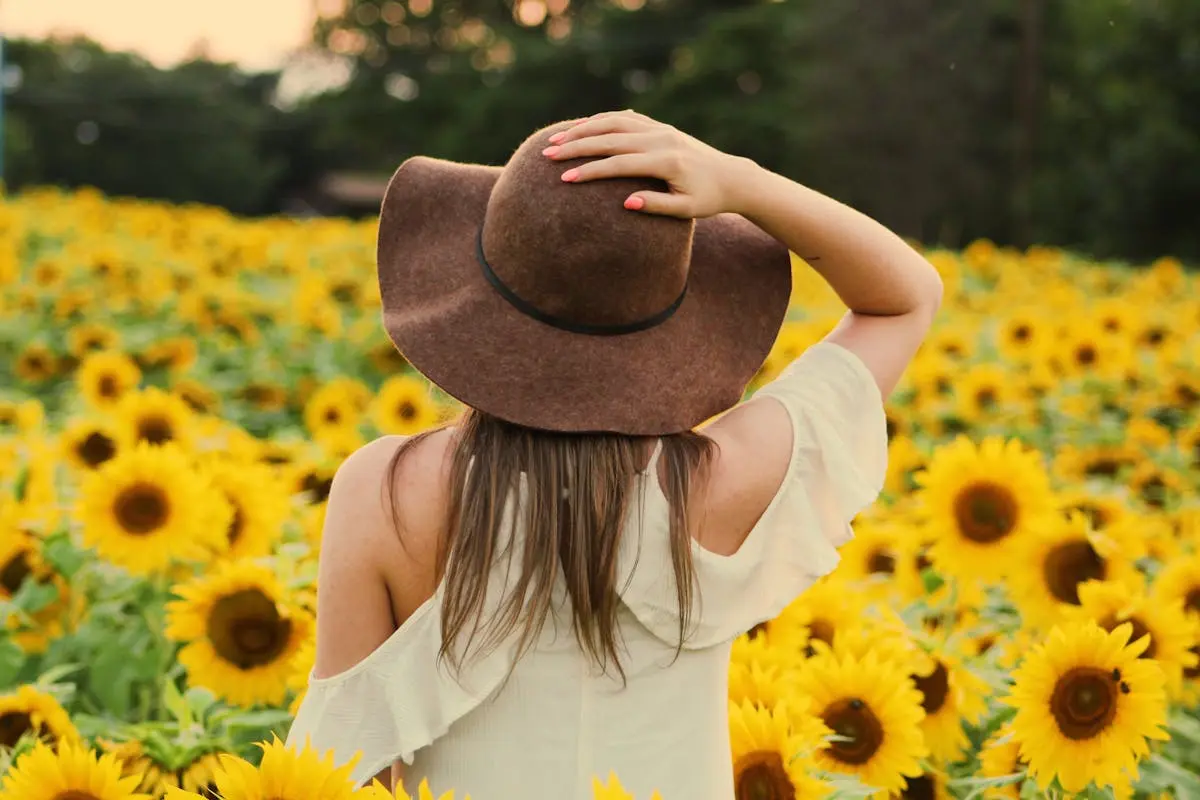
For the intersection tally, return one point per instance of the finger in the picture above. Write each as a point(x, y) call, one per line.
point(603, 144)
point(614, 123)
point(662, 203)
point(628, 165)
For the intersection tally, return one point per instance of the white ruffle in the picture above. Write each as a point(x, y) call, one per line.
point(837, 468)
point(401, 697)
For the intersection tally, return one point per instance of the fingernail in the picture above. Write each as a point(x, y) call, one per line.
point(549, 151)
point(558, 137)
point(634, 203)
point(570, 175)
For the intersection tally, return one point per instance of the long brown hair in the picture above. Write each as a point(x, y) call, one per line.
point(597, 472)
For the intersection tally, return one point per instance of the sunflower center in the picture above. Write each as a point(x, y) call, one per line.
point(860, 729)
point(1191, 600)
point(1096, 515)
point(1103, 466)
point(1084, 702)
point(986, 397)
point(1085, 355)
point(107, 386)
point(332, 415)
point(96, 449)
point(406, 411)
point(1192, 673)
point(892, 428)
point(934, 689)
point(74, 794)
point(155, 429)
point(1021, 333)
point(246, 630)
point(760, 628)
point(985, 512)
point(919, 788)
point(319, 487)
point(142, 508)
point(819, 630)
point(881, 562)
point(14, 572)
point(14, 725)
point(761, 776)
point(1111, 622)
point(236, 523)
point(1068, 565)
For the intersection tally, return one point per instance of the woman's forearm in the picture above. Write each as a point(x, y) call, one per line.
point(872, 269)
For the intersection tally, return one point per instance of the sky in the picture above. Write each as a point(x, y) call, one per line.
point(256, 34)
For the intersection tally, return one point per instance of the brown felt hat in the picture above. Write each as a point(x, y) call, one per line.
point(550, 305)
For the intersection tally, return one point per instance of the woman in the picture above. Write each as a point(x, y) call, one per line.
point(547, 589)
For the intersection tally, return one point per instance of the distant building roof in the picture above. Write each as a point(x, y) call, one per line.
point(359, 189)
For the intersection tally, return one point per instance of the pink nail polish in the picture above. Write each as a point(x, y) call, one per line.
point(558, 137)
point(634, 203)
point(570, 175)
point(549, 151)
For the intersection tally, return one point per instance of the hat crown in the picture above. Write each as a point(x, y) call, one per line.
point(573, 251)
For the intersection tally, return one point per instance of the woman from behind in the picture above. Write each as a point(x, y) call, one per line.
point(547, 589)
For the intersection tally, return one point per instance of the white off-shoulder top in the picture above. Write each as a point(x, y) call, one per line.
point(557, 721)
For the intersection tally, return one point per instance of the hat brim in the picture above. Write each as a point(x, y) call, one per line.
point(451, 324)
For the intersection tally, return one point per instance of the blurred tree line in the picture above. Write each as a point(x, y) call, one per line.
point(1068, 122)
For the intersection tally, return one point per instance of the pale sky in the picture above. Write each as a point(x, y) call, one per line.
point(257, 34)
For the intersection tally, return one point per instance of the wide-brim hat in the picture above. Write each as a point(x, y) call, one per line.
point(550, 305)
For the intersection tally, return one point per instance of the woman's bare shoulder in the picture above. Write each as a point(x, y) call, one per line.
point(393, 519)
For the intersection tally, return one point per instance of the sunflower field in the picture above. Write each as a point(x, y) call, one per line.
point(1018, 617)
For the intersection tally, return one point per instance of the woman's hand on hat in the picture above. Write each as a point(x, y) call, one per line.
point(626, 144)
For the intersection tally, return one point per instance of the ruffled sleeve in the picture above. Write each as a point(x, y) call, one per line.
point(403, 697)
point(837, 468)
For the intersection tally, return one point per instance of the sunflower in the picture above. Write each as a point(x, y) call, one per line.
point(1000, 758)
point(825, 608)
point(929, 785)
point(984, 390)
point(1085, 350)
point(148, 507)
point(980, 501)
point(1157, 487)
point(1101, 510)
point(68, 772)
point(177, 354)
point(154, 417)
point(282, 774)
point(1178, 585)
point(36, 363)
point(1096, 462)
point(264, 395)
point(259, 505)
point(89, 337)
point(905, 458)
point(1171, 632)
point(88, 443)
point(773, 753)
point(874, 709)
point(950, 695)
point(386, 358)
point(1021, 335)
point(761, 685)
point(31, 711)
point(1086, 704)
point(198, 396)
point(105, 377)
point(330, 409)
point(1062, 555)
point(869, 560)
point(241, 631)
point(403, 406)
